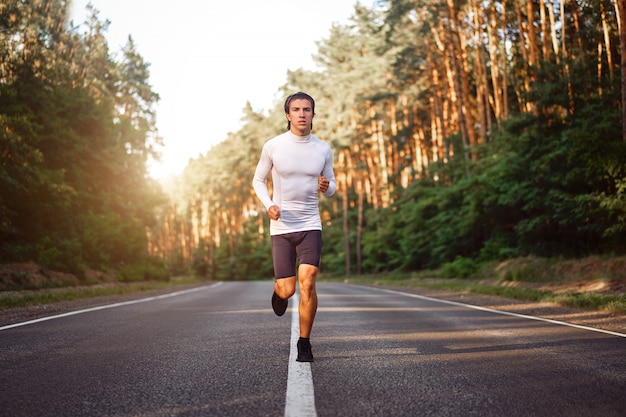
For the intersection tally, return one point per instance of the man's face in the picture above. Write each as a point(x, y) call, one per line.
point(301, 116)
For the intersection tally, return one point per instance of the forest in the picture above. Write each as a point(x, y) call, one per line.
point(462, 131)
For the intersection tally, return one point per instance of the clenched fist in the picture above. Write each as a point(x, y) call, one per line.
point(274, 212)
point(323, 184)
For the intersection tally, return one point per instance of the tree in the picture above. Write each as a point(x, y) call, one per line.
point(74, 193)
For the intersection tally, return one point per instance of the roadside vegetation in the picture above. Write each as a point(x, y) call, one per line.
point(27, 298)
point(592, 283)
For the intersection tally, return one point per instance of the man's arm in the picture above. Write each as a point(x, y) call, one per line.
point(258, 181)
point(329, 174)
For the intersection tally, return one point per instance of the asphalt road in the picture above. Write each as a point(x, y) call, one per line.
point(220, 351)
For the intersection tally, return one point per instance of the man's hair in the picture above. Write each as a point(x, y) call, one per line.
point(294, 96)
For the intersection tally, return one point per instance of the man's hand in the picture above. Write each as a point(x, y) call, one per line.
point(323, 184)
point(274, 212)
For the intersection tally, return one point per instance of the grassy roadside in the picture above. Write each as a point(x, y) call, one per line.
point(611, 303)
point(17, 299)
point(592, 283)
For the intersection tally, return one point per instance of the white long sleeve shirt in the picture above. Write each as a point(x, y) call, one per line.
point(296, 163)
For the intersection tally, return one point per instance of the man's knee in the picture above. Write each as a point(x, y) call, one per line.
point(285, 287)
point(308, 275)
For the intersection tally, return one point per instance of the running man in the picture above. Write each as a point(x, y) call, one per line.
point(301, 165)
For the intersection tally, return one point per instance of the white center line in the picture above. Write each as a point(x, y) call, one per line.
point(300, 400)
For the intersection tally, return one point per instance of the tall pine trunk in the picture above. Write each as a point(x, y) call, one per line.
point(620, 5)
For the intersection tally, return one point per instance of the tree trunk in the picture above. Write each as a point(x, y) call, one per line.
point(346, 228)
point(528, 58)
point(607, 40)
point(494, 42)
point(384, 165)
point(545, 31)
point(505, 72)
point(620, 5)
point(533, 54)
point(438, 129)
point(459, 50)
point(359, 226)
point(570, 90)
point(454, 77)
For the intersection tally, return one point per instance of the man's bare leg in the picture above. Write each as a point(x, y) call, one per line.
point(284, 288)
point(307, 275)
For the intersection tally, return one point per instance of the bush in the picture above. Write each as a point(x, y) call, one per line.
point(150, 269)
point(461, 267)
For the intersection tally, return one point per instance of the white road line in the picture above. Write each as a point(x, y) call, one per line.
point(300, 400)
point(87, 310)
point(506, 313)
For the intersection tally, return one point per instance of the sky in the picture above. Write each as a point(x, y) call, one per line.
point(208, 58)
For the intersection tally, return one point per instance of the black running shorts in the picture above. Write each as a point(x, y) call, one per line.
point(303, 247)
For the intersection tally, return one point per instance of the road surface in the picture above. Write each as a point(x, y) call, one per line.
point(219, 350)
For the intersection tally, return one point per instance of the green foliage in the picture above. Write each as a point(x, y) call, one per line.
point(76, 130)
point(60, 254)
point(525, 294)
point(533, 270)
point(245, 258)
point(334, 250)
point(48, 255)
point(593, 301)
point(147, 269)
point(176, 265)
point(200, 261)
point(540, 188)
point(461, 267)
point(379, 252)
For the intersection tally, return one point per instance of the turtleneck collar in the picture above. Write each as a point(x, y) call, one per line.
point(297, 138)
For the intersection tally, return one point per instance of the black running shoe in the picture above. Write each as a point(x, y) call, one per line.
point(279, 304)
point(304, 351)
